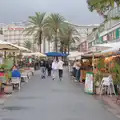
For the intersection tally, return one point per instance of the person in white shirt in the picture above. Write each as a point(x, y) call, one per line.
point(54, 69)
point(60, 68)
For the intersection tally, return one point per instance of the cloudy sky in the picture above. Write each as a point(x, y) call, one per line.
point(74, 11)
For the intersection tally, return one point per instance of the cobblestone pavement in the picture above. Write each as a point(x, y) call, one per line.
point(53, 100)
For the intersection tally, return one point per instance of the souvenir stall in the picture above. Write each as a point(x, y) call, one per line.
point(7, 59)
point(108, 67)
point(88, 66)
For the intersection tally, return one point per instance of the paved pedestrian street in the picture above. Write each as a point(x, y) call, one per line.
point(53, 100)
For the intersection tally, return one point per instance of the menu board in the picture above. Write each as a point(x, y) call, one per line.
point(89, 83)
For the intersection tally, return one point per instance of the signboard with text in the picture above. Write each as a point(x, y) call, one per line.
point(89, 83)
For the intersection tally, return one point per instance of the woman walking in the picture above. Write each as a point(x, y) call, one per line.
point(54, 69)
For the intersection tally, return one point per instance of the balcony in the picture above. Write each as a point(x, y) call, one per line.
point(114, 13)
point(113, 18)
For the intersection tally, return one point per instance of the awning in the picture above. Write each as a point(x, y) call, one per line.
point(23, 49)
point(55, 54)
point(75, 55)
point(6, 46)
point(38, 54)
point(115, 47)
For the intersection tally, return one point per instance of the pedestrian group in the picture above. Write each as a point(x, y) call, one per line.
point(53, 68)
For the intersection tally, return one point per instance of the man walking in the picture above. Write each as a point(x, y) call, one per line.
point(60, 69)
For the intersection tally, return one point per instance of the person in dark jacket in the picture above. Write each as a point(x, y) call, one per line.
point(43, 68)
point(49, 67)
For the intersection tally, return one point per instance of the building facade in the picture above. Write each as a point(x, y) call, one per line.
point(83, 32)
point(107, 32)
point(15, 34)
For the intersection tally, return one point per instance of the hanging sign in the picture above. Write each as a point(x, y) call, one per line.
point(89, 83)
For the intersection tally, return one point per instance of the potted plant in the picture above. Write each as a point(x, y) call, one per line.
point(115, 71)
point(97, 81)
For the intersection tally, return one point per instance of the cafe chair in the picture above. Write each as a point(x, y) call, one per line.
point(107, 86)
point(16, 81)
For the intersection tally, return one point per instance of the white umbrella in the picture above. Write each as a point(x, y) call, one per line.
point(6, 46)
point(75, 55)
point(114, 47)
point(23, 49)
point(38, 54)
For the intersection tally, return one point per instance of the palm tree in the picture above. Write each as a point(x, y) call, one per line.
point(48, 36)
point(54, 24)
point(67, 37)
point(28, 44)
point(37, 26)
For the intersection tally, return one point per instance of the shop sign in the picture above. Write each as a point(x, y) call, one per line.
point(89, 83)
point(105, 38)
point(16, 28)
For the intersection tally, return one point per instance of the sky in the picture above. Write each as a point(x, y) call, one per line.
point(74, 11)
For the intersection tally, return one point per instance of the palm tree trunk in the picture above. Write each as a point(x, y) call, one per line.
point(40, 39)
point(56, 44)
point(56, 41)
point(68, 48)
point(48, 46)
point(44, 46)
point(40, 47)
point(56, 47)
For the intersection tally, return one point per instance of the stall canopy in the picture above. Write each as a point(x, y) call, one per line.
point(113, 48)
point(55, 54)
point(75, 55)
point(23, 49)
point(37, 54)
point(6, 46)
point(91, 55)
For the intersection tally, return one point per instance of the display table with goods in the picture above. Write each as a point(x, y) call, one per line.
point(26, 73)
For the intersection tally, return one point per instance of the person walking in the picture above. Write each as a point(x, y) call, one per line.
point(74, 69)
point(43, 69)
point(78, 65)
point(54, 68)
point(60, 69)
point(49, 67)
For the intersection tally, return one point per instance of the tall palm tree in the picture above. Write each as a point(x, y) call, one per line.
point(68, 36)
point(28, 44)
point(54, 24)
point(48, 36)
point(37, 26)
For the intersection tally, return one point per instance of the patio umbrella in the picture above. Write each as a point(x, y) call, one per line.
point(55, 54)
point(6, 46)
point(75, 55)
point(38, 54)
point(23, 49)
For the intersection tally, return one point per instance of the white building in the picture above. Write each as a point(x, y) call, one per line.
point(83, 32)
point(14, 33)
